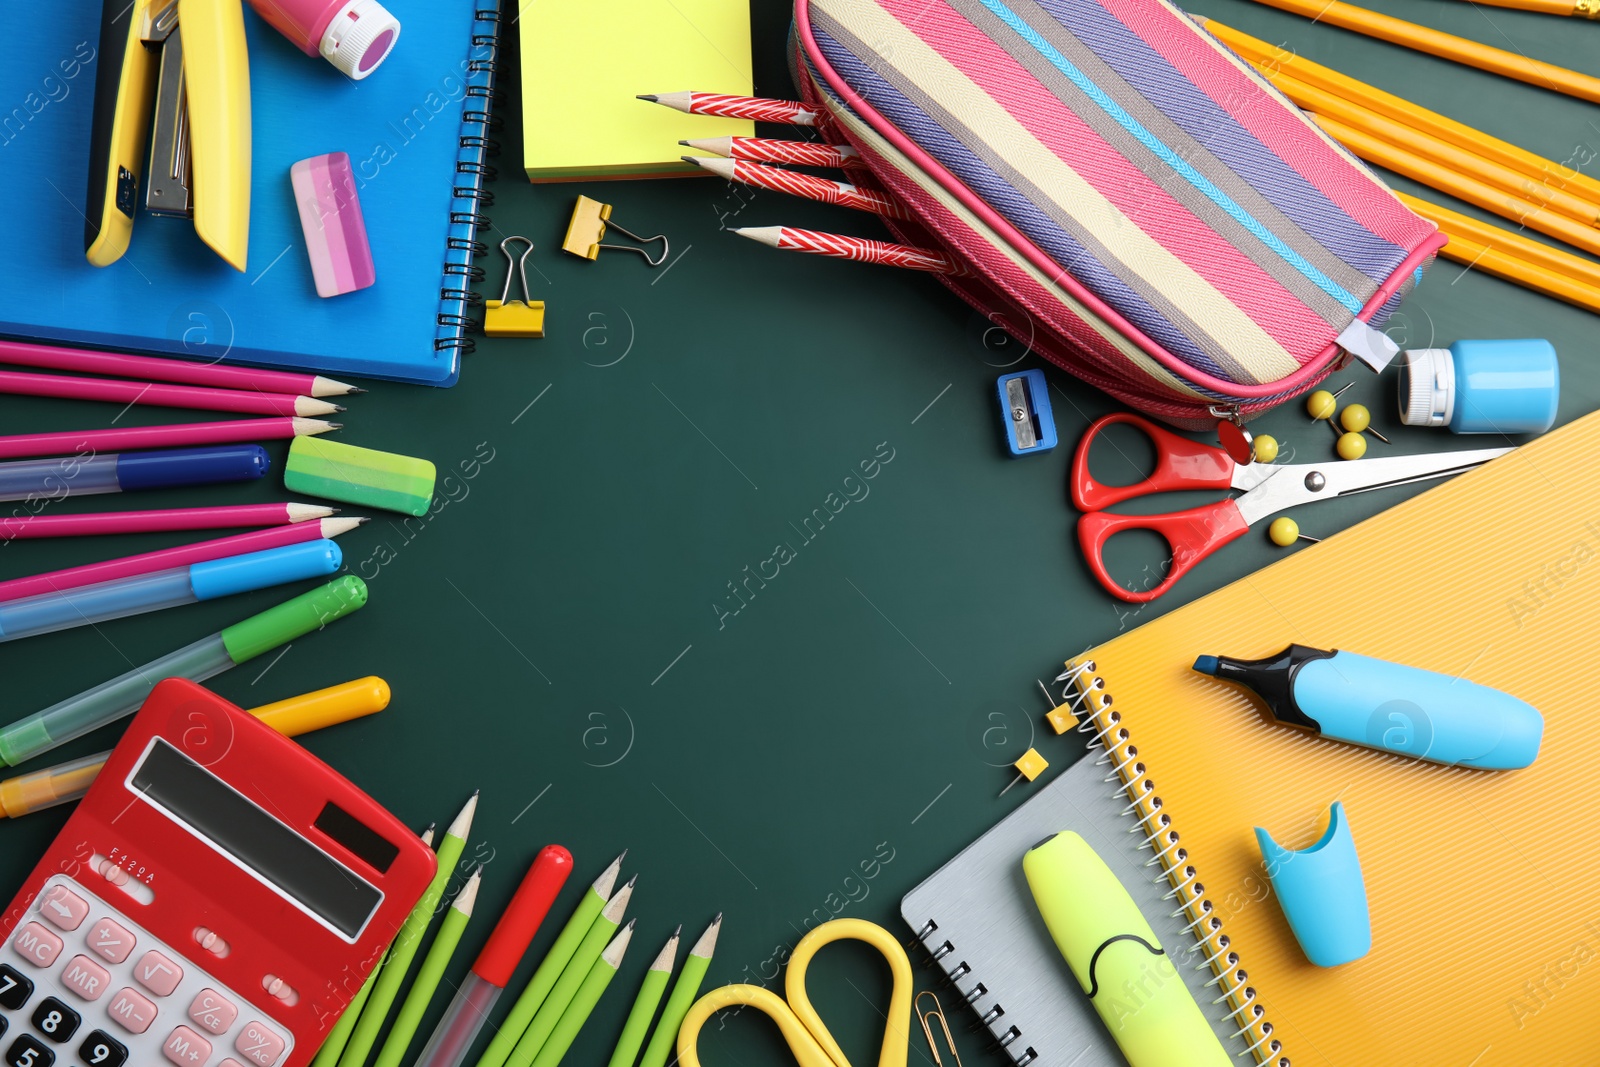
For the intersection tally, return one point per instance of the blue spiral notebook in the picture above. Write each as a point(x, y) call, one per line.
point(416, 133)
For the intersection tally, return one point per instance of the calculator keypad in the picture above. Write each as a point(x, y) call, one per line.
point(88, 986)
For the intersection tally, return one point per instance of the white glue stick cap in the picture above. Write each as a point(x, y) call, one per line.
point(359, 37)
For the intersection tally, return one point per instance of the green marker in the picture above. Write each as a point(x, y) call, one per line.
point(645, 1004)
point(1116, 958)
point(333, 1045)
point(406, 943)
point(427, 981)
point(566, 987)
point(206, 658)
point(594, 985)
point(664, 1041)
point(550, 968)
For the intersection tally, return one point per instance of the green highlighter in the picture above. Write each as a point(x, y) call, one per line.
point(1116, 958)
point(354, 475)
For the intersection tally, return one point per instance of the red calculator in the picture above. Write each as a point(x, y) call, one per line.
point(215, 901)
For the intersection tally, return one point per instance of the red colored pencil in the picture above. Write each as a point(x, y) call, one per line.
point(157, 368)
point(19, 383)
point(181, 556)
point(73, 442)
point(769, 150)
point(860, 249)
point(736, 107)
point(809, 186)
point(159, 521)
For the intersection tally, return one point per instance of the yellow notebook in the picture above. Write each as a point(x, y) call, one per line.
point(1483, 886)
point(585, 61)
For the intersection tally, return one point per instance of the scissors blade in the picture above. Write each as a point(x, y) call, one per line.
point(1302, 483)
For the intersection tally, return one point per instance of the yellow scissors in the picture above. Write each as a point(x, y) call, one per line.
point(799, 1022)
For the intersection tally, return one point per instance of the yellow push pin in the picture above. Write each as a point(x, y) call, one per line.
point(1030, 766)
point(1060, 716)
point(1265, 447)
point(1351, 446)
point(1322, 404)
point(1356, 418)
point(1285, 532)
point(514, 318)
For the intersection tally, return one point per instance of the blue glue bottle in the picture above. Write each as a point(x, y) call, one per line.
point(1481, 386)
point(1383, 705)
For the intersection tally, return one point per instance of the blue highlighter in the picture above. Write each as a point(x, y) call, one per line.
point(1389, 706)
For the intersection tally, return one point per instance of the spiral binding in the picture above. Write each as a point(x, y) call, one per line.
point(1103, 727)
point(468, 196)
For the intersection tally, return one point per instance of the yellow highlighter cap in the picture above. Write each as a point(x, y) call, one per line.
point(326, 707)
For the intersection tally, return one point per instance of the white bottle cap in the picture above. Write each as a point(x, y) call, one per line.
point(360, 36)
point(1427, 386)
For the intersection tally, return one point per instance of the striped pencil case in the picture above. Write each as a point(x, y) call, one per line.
point(1125, 196)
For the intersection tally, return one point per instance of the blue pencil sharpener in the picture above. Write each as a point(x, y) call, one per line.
point(1025, 410)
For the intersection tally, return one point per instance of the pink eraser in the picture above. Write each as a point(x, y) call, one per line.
point(330, 215)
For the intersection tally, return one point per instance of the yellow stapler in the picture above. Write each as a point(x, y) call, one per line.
point(175, 74)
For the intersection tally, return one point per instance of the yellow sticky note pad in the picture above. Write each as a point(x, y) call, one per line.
point(584, 64)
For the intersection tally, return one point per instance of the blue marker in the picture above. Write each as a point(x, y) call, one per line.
point(54, 479)
point(135, 595)
point(1387, 706)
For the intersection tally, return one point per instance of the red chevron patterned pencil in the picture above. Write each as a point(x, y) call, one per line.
point(736, 107)
point(826, 190)
point(860, 249)
point(768, 150)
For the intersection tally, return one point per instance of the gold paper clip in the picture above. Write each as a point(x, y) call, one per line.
point(514, 318)
point(937, 1013)
point(588, 227)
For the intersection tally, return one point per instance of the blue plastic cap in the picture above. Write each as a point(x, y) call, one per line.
point(1322, 893)
point(191, 466)
point(258, 570)
point(1206, 665)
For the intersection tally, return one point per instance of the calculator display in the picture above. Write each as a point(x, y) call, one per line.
point(212, 810)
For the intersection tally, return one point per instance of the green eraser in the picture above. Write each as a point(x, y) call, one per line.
point(335, 471)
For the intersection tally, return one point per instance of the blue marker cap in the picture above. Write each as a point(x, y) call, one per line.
point(191, 466)
point(258, 570)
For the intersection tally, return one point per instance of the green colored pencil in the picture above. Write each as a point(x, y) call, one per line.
point(405, 946)
point(589, 992)
point(427, 980)
point(333, 1045)
point(550, 968)
point(645, 1004)
point(664, 1040)
point(566, 987)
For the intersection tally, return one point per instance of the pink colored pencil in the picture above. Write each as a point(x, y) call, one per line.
point(182, 556)
point(860, 249)
point(809, 186)
point(769, 150)
point(156, 368)
point(160, 521)
point(74, 442)
point(19, 383)
point(736, 107)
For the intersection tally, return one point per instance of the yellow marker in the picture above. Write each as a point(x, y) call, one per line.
point(65, 782)
point(1351, 446)
point(1030, 766)
point(1265, 447)
point(514, 318)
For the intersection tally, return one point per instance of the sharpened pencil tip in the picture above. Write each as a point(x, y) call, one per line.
point(631, 882)
point(353, 390)
point(652, 97)
point(430, 828)
point(338, 408)
point(679, 931)
point(684, 143)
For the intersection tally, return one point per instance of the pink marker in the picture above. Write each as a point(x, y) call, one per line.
point(353, 35)
point(330, 217)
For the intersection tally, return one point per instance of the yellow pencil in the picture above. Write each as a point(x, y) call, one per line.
point(1448, 155)
point(1272, 60)
point(1513, 245)
point(1585, 8)
point(1521, 272)
point(1444, 45)
point(1506, 205)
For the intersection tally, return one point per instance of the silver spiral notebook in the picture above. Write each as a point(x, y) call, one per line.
point(976, 917)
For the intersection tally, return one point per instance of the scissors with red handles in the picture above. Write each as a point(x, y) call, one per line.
point(1267, 489)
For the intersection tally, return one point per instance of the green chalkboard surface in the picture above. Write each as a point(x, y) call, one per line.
point(732, 568)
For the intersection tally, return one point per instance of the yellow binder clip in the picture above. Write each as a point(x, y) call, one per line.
point(588, 227)
point(514, 318)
